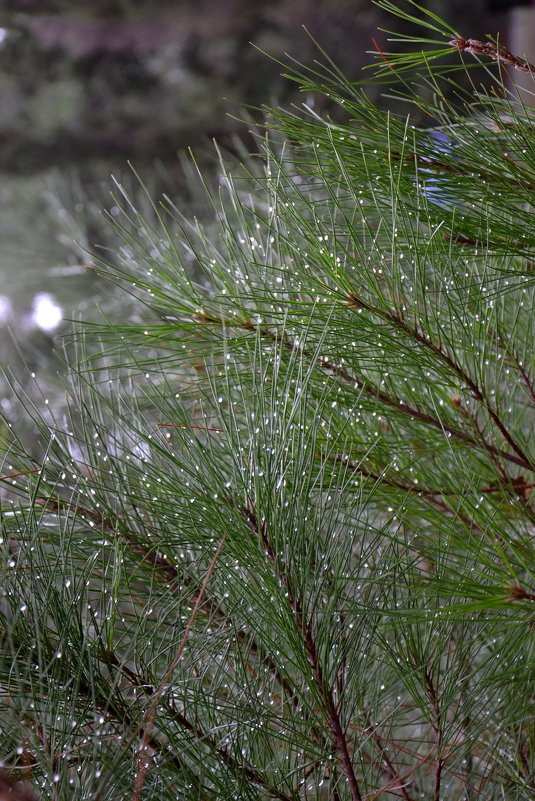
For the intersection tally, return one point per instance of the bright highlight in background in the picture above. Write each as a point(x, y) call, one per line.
point(5, 309)
point(46, 314)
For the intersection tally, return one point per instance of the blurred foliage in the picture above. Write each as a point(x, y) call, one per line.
point(87, 87)
point(123, 80)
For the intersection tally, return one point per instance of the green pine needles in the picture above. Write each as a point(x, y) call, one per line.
point(280, 545)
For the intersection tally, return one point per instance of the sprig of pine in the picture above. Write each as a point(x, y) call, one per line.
point(325, 406)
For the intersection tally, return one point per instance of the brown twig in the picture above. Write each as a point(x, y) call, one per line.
point(524, 759)
point(433, 497)
point(527, 381)
point(197, 428)
point(169, 573)
point(22, 473)
point(472, 419)
point(153, 558)
point(384, 58)
point(304, 626)
point(438, 352)
point(437, 728)
point(241, 769)
point(364, 385)
point(462, 239)
point(517, 593)
point(396, 780)
point(150, 712)
point(497, 52)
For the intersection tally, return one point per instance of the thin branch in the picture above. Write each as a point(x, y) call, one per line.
point(396, 404)
point(530, 387)
point(198, 428)
point(471, 417)
point(518, 486)
point(433, 497)
point(116, 709)
point(438, 352)
point(150, 712)
point(166, 571)
point(437, 728)
point(492, 50)
point(519, 365)
point(517, 593)
point(22, 473)
point(396, 780)
point(304, 626)
point(195, 728)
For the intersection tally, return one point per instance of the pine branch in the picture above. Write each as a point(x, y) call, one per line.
point(304, 626)
point(438, 351)
point(492, 50)
point(166, 571)
point(239, 769)
point(110, 707)
point(396, 404)
point(366, 634)
point(149, 715)
point(437, 728)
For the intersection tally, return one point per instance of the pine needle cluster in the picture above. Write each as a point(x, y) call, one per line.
point(281, 543)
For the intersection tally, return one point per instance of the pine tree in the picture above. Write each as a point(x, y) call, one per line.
point(281, 543)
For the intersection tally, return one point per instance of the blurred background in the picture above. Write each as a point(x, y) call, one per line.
point(88, 87)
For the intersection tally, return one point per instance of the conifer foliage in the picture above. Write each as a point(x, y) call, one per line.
point(281, 544)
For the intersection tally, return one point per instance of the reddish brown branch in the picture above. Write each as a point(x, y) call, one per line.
point(166, 571)
point(396, 781)
point(439, 353)
point(437, 728)
point(365, 386)
point(433, 497)
point(517, 593)
point(22, 473)
point(462, 239)
point(471, 417)
point(491, 50)
point(198, 428)
point(304, 626)
point(196, 730)
point(528, 383)
point(389, 65)
point(150, 712)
